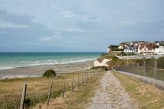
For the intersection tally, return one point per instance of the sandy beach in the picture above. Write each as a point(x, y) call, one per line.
point(36, 71)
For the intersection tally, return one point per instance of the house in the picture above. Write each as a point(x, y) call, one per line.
point(121, 47)
point(130, 49)
point(159, 50)
point(101, 62)
point(146, 49)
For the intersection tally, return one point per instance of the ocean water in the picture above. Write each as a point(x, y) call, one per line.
point(23, 59)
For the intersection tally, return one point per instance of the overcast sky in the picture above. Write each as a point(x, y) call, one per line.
point(77, 25)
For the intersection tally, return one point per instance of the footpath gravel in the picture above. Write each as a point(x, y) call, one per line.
point(110, 95)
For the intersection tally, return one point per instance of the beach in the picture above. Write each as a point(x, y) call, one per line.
point(37, 71)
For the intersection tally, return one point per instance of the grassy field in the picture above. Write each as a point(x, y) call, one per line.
point(143, 94)
point(37, 88)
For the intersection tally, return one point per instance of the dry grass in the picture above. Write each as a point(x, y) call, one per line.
point(37, 88)
point(76, 100)
point(145, 95)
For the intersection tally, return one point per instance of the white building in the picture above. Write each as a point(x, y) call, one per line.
point(101, 62)
point(146, 49)
point(129, 49)
point(120, 47)
point(108, 49)
point(159, 50)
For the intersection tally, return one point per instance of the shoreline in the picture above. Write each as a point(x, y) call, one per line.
point(37, 71)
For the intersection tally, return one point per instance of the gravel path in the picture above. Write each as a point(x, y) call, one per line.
point(110, 95)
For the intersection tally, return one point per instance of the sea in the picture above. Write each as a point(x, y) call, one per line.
point(10, 60)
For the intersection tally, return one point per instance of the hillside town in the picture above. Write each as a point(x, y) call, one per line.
point(139, 48)
point(131, 50)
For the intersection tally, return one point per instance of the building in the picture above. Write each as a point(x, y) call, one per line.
point(101, 62)
point(146, 49)
point(121, 47)
point(159, 50)
point(130, 49)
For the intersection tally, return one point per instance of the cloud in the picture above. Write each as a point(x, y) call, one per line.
point(10, 25)
point(50, 38)
point(74, 30)
point(67, 14)
point(79, 23)
point(21, 26)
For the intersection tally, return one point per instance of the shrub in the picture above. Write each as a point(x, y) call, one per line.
point(103, 68)
point(125, 54)
point(27, 102)
point(49, 73)
point(102, 54)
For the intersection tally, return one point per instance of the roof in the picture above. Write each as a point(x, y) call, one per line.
point(100, 60)
point(150, 46)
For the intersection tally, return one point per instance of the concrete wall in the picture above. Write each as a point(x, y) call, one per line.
point(155, 82)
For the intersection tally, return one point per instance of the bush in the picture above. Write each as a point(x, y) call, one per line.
point(104, 68)
point(49, 73)
point(125, 54)
point(27, 102)
point(102, 54)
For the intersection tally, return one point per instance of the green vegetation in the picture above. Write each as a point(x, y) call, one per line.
point(125, 54)
point(115, 48)
point(101, 68)
point(110, 54)
point(144, 95)
point(49, 73)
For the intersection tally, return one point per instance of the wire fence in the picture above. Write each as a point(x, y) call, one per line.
point(147, 71)
point(30, 94)
point(144, 68)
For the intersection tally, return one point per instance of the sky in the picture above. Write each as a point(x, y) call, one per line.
point(77, 25)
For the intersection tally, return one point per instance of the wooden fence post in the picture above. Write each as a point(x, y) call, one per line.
point(144, 68)
point(82, 79)
point(85, 77)
point(72, 86)
point(49, 93)
point(23, 96)
point(72, 82)
point(73, 76)
point(155, 68)
point(137, 68)
point(134, 70)
point(64, 87)
point(78, 82)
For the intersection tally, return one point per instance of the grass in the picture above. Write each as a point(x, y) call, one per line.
point(110, 54)
point(143, 94)
point(80, 99)
point(37, 89)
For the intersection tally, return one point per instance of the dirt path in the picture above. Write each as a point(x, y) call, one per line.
point(110, 95)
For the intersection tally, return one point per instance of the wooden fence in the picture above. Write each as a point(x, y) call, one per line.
point(75, 84)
